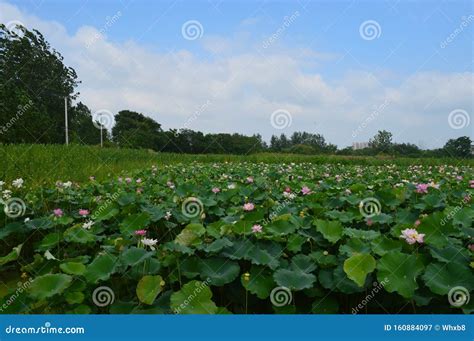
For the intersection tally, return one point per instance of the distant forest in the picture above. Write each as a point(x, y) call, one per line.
point(34, 82)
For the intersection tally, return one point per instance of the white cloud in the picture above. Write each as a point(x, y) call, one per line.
point(245, 87)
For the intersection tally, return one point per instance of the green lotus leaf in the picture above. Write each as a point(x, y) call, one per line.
point(49, 285)
point(190, 235)
point(134, 256)
point(383, 244)
point(294, 279)
point(437, 229)
point(218, 245)
point(358, 266)
point(148, 288)
point(331, 230)
point(259, 282)
point(442, 277)
point(13, 255)
point(218, 271)
point(73, 268)
point(451, 254)
point(74, 297)
point(77, 234)
point(50, 241)
point(399, 271)
point(194, 297)
point(354, 245)
point(133, 222)
point(101, 268)
point(105, 212)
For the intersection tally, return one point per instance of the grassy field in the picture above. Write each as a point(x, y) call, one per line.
point(45, 164)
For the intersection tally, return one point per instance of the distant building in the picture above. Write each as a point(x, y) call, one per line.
point(360, 145)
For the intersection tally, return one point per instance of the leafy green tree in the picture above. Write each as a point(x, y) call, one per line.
point(134, 130)
point(81, 127)
point(382, 141)
point(32, 76)
point(460, 147)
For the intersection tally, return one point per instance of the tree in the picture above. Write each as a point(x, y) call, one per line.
point(81, 128)
point(34, 82)
point(134, 130)
point(460, 147)
point(382, 141)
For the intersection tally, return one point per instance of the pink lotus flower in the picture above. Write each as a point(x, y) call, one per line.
point(249, 206)
point(139, 190)
point(216, 190)
point(138, 181)
point(305, 190)
point(288, 190)
point(459, 178)
point(417, 222)
point(369, 222)
point(249, 179)
point(471, 183)
point(58, 212)
point(257, 228)
point(140, 232)
point(412, 236)
point(83, 212)
point(128, 180)
point(471, 247)
point(422, 188)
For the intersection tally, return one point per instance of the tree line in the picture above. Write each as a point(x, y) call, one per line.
point(34, 83)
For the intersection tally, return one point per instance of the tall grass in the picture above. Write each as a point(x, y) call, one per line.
point(45, 164)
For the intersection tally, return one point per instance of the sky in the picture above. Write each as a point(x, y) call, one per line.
point(344, 69)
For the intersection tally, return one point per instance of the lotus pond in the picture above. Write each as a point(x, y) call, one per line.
point(242, 238)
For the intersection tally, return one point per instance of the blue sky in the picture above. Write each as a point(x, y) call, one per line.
point(319, 68)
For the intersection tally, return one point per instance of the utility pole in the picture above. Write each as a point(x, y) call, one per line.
point(65, 119)
point(101, 138)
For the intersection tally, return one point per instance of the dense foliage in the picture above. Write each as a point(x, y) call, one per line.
point(219, 238)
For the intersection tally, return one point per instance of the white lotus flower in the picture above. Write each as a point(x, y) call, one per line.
point(149, 242)
point(87, 225)
point(18, 183)
point(67, 184)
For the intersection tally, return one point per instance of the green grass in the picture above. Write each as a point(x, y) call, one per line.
point(45, 164)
